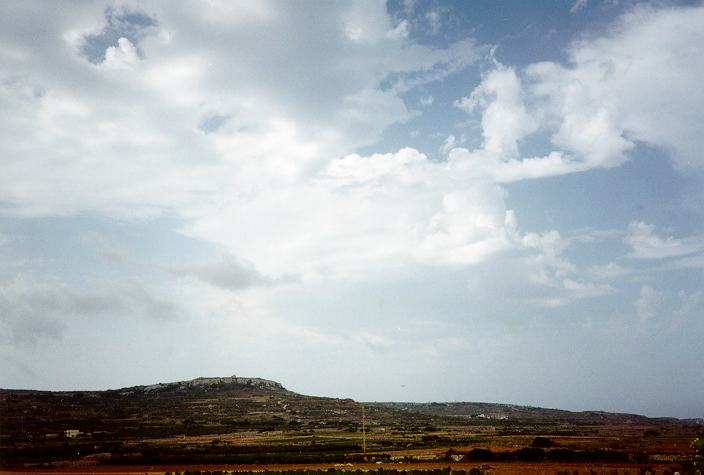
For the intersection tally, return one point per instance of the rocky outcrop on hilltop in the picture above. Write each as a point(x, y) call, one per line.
point(204, 382)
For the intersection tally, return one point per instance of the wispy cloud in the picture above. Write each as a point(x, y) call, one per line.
point(230, 274)
point(690, 304)
point(646, 244)
point(578, 5)
point(647, 304)
point(32, 309)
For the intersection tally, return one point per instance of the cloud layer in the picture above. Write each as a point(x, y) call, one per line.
point(258, 132)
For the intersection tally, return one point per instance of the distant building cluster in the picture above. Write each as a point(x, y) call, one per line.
point(71, 433)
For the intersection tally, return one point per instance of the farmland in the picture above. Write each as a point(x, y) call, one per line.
point(225, 424)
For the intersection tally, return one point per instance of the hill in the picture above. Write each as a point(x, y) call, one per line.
point(253, 420)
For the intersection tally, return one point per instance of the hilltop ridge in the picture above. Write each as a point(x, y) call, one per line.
point(212, 382)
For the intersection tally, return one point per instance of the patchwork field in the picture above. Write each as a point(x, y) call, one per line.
point(246, 424)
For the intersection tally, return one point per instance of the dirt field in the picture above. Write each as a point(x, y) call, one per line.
point(492, 468)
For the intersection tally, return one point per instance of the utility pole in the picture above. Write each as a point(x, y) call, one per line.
point(364, 433)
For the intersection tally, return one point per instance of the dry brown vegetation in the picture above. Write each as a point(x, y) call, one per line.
point(227, 427)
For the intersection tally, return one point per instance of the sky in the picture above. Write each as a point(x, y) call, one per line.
point(491, 201)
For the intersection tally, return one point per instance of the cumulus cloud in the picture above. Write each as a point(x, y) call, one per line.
point(130, 144)
point(225, 120)
point(269, 154)
point(216, 136)
point(609, 97)
point(121, 26)
point(635, 83)
point(505, 119)
point(368, 213)
point(122, 56)
point(470, 227)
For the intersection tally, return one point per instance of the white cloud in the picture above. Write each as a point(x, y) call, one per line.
point(229, 273)
point(272, 166)
point(32, 309)
point(635, 83)
point(690, 304)
point(479, 163)
point(609, 271)
point(687, 262)
point(570, 291)
point(122, 56)
point(591, 235)
point(646, 244)
point(226, 122)
point(129, 144)
point(647, 304)
point(361, 213)
point(471, 226)
point(228, 14)
point(548, 264)
point(586, 289)
point(400, 31)
point(426, 101)
point(272, 163)
point(434, 21)
point(505, 119)
point(638, 82)
point(448, 144)
point(578, 5)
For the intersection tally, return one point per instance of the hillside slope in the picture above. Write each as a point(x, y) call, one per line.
point(253, 420)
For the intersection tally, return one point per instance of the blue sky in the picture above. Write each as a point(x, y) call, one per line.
point(419, 201)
